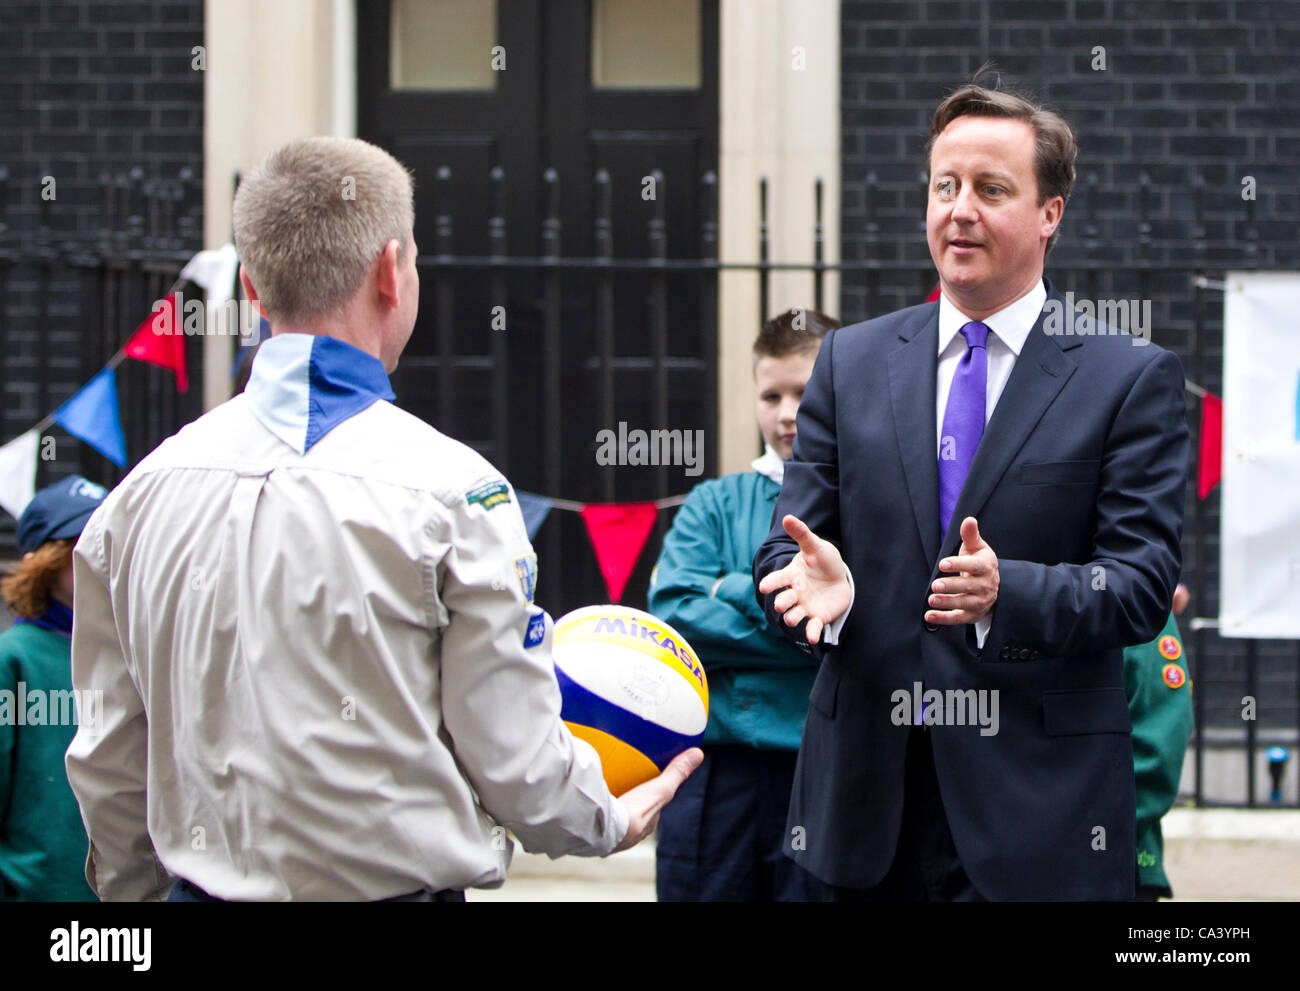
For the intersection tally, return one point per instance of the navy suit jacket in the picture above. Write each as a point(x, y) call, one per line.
point(1078, 485)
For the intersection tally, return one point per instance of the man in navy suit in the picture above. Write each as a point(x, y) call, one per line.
point(984, 507)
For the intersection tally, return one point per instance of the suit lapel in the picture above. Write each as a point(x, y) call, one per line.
point(1040, 371)
point(911, 393)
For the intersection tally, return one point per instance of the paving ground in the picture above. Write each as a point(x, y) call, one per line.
point(625, 877)
point(1210, 855)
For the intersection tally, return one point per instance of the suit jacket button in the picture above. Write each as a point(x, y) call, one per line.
point(1033, 655)
point(1024, 653)
point(1006, 652)
point(930, 627)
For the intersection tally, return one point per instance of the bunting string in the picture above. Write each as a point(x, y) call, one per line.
point(577, 507)
point(618, 530)
point(92, 414)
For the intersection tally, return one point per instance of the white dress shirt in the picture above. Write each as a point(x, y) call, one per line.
point(323, 676)
point(1008, 330)
point(769, 464)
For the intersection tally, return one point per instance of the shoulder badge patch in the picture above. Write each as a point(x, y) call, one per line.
point(1170, 648)
point(526, 572)
point(489, 495)
point(536, 631)
point(1174, 675)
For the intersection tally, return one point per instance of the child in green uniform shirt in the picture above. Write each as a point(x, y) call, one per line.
point(720, 838)
point(43, 843)
point(1160, 709)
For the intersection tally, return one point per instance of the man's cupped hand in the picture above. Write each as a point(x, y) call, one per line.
point(815, 584)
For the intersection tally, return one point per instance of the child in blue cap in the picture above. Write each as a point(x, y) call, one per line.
point(43, 842)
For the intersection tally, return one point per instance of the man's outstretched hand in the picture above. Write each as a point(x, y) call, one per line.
point(968, 596)
point(815, 582)
point(646, 801)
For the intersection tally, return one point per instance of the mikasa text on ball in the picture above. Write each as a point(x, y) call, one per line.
point(632, 688)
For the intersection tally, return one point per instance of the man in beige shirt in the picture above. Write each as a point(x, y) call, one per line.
point(310, 614)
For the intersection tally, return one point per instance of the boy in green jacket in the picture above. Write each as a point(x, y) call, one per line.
point(720, 838)
point(43, 843)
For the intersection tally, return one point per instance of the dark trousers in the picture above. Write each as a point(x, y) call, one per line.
point(925, 867)
point(720, 838)
point(183, 891)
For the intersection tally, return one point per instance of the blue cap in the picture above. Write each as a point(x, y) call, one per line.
point(58, 512)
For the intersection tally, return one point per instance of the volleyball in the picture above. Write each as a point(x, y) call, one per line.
point(632, 687)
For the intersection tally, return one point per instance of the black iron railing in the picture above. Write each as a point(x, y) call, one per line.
point(104, 283)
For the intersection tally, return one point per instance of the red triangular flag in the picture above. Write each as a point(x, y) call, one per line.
point(1209, 468)
point(618, 534)
point(160, 341)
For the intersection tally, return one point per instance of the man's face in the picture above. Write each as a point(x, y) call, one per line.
point(986, 229)
point(779, 384)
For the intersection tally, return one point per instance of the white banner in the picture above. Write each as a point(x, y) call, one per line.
point(1259, 538)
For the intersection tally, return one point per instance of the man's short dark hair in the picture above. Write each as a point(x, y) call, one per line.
point(796, 331)
point(1055, 146)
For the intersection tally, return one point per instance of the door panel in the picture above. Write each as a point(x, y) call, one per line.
point(535, 413)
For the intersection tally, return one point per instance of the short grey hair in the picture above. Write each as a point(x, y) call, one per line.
point(310, 220)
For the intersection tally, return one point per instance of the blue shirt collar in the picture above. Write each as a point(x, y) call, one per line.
point(304, 385)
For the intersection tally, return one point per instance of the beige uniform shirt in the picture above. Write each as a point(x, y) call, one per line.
point(322, 675)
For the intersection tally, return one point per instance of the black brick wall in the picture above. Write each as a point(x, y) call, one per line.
point(1192, 90)
point(88, 89)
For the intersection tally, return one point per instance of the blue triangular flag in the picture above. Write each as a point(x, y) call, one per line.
point(92, 416)
point(535, 509)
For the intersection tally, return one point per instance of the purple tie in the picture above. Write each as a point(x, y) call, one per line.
point(963, 420)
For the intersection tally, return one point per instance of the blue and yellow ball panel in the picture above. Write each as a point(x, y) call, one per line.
point(622, 766)
point(625, 626)
point(632, 687)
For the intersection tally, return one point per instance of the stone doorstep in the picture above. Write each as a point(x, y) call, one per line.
point(1209, 854)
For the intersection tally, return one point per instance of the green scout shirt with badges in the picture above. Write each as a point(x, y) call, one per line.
point(1160, 707)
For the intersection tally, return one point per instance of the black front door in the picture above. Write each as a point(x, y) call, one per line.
point(506, 112)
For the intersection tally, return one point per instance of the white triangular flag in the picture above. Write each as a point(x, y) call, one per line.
point(18, 472)
point(215, 271)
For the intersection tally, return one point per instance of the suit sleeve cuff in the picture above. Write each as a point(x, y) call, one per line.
point(831, 632)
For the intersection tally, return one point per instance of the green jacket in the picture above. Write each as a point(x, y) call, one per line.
point(702, 585)
point(1160, 707)
point(42, 839)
